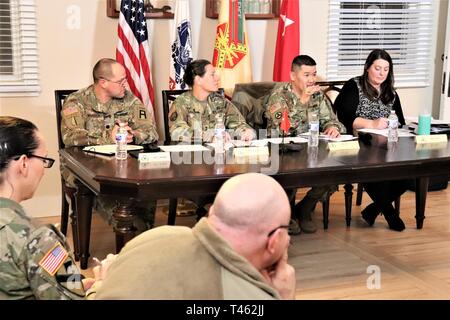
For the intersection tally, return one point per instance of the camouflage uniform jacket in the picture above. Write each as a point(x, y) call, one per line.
point(85, 121)
point(25, 273)
point(283, 97)
point(186, 108)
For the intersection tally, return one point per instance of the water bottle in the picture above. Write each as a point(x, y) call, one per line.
point(219, 134)
point(393, 127)
point(121, 142)
point(313, 130)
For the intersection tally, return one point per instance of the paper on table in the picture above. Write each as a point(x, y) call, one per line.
point(109, 149)
point(342, 137)
point(260, 143)
point(384, 132)
point(227, 145)
point(252, 143)
point(240, 143)
point(183, 148)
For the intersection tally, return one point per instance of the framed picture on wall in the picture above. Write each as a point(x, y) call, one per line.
point(154, 9)
point(254, 9)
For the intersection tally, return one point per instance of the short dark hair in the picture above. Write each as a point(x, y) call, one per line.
point(301, 60)
point(195, 68)
point(17, 137)
point(387, 92)
point(102, 69)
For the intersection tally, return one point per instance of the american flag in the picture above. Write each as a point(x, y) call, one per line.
point(53, 259)
point(133, 51)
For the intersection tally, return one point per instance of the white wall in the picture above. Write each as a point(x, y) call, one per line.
point(67, 56)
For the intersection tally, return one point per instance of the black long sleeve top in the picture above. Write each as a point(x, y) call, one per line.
point(348, 100)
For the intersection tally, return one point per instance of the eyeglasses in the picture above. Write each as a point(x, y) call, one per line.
point(273, 231)
point(120, 82)
point(48, 162)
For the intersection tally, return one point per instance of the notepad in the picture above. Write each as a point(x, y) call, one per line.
point(109, 149)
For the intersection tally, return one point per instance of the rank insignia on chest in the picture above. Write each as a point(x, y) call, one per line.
point(108, 123)
point(53, 259)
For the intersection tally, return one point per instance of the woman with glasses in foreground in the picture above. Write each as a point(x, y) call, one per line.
point(35, 262)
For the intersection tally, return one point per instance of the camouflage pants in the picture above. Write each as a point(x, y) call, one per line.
point(144, 219)
point(315, 194)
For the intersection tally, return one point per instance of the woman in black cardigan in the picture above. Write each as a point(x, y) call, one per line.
point(366, 102)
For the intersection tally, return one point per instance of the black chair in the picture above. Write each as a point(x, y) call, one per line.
point(168, 97)
point(250, 98)
point(60, 96)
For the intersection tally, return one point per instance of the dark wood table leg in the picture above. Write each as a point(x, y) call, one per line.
point(421, 198)
point(123, 223)
point(173, 202)
point(348, 187)
point(84, 201)
point(326, 211)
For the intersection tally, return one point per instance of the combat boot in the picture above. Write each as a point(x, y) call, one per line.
point(294, 228)
point(303, 212)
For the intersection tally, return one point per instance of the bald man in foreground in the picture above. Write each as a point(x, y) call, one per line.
point(238, 252)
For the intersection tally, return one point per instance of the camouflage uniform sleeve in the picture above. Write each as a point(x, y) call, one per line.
point(143, 124)
point(275, 105)
point(327, 118)
point(178, 122)
point(235, 121)
point(65, 282)
point(73, 128)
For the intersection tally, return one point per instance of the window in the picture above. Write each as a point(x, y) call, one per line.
point(19, 72)
point(401, 27)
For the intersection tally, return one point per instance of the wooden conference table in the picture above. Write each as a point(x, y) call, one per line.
point(126, 181)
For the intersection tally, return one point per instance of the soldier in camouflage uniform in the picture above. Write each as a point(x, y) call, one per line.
point(192, 115)
point(300, 98)
point(35, 262)
point(91, 116)
point(197, 109)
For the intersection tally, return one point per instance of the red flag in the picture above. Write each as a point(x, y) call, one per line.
point(133, 51)
point(285, 124)
point(288, 40)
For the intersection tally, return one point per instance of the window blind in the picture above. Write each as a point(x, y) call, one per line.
point(19, 64)
point(401, 27)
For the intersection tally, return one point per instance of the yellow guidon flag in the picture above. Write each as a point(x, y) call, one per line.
point(231, 51)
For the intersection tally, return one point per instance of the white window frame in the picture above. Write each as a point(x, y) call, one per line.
point(405, 33)
point(25, 78)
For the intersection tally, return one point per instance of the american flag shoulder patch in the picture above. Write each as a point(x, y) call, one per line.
point(70, 110)
point(53, 259)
